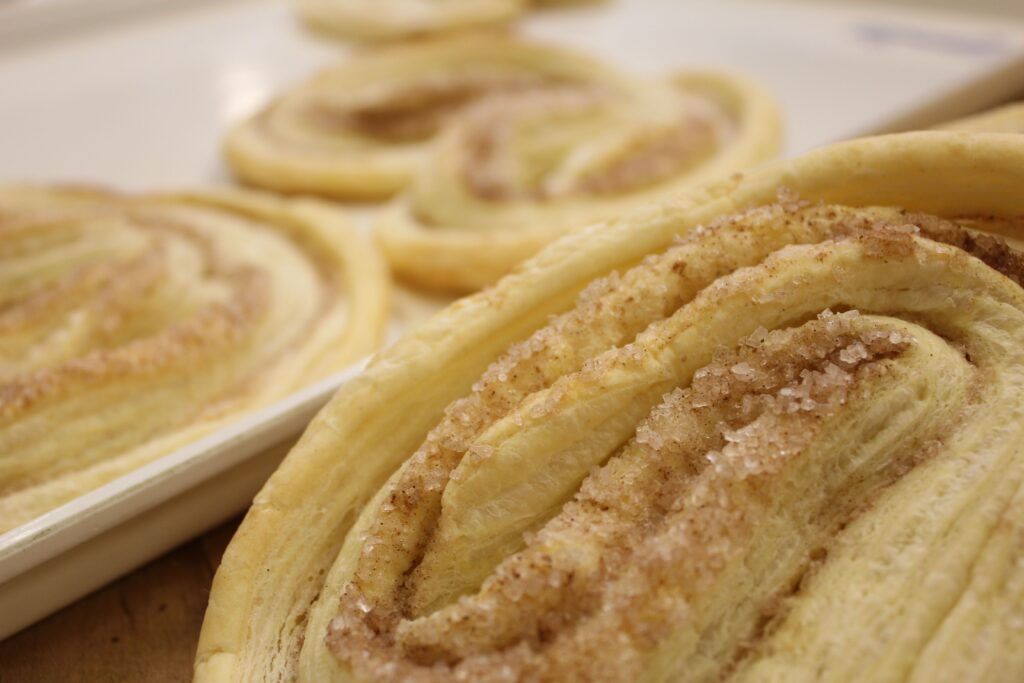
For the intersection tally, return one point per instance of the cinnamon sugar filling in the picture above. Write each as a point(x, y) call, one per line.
point(410, 112)
point(492, 170)
point(127, 300)
point(654, 533)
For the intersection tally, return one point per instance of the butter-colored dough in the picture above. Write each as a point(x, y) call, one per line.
point(515, 173)
point(360, 130)
point(770, 429)
point(130, 326)
point(397, 19)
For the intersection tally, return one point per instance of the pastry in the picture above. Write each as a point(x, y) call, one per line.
point(391, 19)
point(514, 173)
point(767, 430)
point(359, 130)
point(1008, 118)
point(130, 326)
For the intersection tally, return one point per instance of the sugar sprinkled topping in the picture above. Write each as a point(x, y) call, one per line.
point(625, 559)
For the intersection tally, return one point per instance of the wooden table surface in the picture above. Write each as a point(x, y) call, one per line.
point(143, 627)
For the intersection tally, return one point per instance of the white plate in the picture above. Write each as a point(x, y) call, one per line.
point(137, 94)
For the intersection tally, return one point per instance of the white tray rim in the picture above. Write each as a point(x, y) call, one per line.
point(91, 514)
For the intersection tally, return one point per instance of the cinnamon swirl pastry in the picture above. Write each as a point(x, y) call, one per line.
point(390, 19)
point(359, 130)
point(514, 173)
point(130, 326)
point(769, 430)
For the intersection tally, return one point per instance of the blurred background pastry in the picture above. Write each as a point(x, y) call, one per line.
point(393, 19)
point(130, 326)
point(516, 172)
point(362, 129)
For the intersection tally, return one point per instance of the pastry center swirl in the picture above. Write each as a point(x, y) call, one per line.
point(131, 326)
point(549, 144)
point(653, 472)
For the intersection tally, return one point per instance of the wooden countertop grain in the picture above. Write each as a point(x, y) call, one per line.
point(143, 627)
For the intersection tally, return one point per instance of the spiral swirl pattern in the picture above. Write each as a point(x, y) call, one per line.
point(130, 326)
point(767, 431)
point(361, 129)
point(516, 172)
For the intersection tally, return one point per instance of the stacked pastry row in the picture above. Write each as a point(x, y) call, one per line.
point(770, 429)
point(497, 146)
point(131, 326)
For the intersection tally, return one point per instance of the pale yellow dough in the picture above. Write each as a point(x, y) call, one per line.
point(1008, 118)
point(769, 429)
point(361, 129)
point(513, 174)
point(395, 19)
point(130, 326)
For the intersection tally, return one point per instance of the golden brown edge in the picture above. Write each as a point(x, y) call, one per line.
point(943, 173)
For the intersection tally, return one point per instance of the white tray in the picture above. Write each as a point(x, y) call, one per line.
point(78, 547)
point(137, 96)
